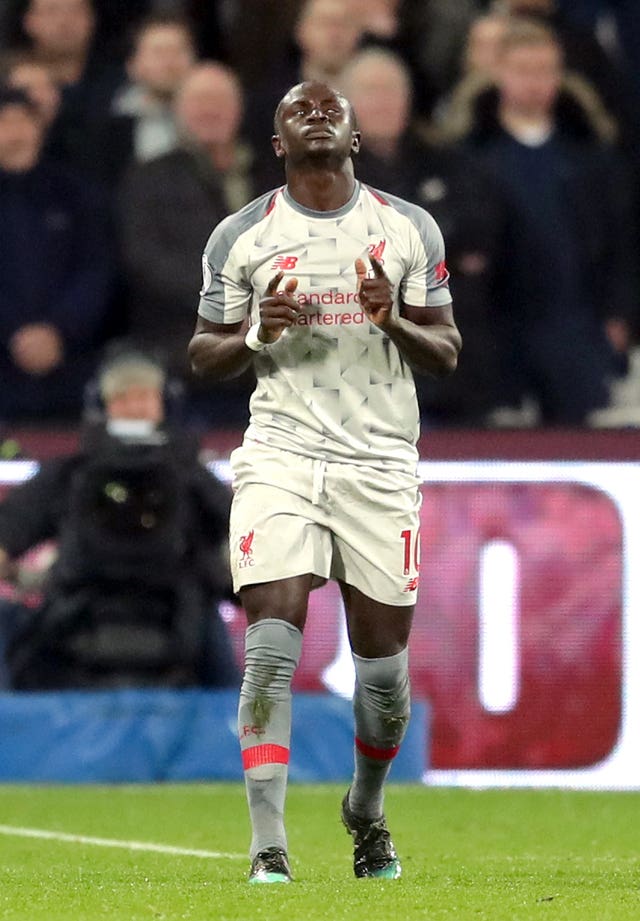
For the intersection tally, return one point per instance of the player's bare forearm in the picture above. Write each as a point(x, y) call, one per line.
point(219, 352)
point(426, 337)
point(431, 349)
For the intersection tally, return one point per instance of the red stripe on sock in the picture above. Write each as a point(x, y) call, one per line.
point(264, 754)
point(380, 754)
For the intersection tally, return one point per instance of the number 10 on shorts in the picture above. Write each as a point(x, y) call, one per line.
point(410, 547)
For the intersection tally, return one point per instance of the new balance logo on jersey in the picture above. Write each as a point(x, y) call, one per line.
point(376, 250)
point(246, 548)
point(285, 262)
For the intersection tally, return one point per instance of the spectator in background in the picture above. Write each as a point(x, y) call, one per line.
point(480, 60)
point(393, 155)
point(114, 19)
point(23, 71)
point(567, 291)
point(584, 55)
point(60, 34)
point(56, 269)
point(326, 35)
point(141, 123)
point(432, 35)
point(140, 565)
point(482, 47)
point(168, 207)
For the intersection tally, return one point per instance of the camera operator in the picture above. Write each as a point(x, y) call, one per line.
point(140, 527)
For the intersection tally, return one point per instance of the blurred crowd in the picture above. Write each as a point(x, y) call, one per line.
point(129, 128)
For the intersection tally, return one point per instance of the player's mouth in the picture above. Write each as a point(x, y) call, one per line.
point(318, 133)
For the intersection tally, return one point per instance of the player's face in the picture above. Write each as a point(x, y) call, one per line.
point(315, 123)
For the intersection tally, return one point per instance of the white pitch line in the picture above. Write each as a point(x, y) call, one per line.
point(44, 834)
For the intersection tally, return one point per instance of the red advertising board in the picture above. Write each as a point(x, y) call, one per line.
point(526, 629)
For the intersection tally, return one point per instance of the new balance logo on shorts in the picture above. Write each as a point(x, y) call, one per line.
point(412, 585)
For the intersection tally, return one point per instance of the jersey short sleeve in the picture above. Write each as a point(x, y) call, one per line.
point(227, 291)
point(426, 281)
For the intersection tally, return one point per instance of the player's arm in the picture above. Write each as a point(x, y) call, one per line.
point(220, 350)
point(426, 337)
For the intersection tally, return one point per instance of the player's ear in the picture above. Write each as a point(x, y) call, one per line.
point(355, 142)
point(277, 145)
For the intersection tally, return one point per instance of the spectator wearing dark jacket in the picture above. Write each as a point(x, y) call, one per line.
point(611, 75)
point(62, 36)
point(567, 295)
point(168, 207)
point(396, 157)
point(324, 36)
point(56, 269)
point(140, 124)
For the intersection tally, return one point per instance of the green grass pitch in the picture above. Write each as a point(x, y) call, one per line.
point(470, 856)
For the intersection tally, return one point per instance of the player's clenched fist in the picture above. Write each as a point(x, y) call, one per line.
point(278, 309)
point(376, 294)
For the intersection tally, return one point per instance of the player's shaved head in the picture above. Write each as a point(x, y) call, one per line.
point(301, 89)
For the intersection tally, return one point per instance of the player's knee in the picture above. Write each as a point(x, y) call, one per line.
point(272, 652)
point(383, 685)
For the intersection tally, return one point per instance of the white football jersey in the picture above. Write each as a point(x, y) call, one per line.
point(333, 386)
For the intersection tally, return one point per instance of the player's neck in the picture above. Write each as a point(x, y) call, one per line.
point(321, 189)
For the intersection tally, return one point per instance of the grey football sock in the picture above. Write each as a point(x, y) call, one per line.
point(272, 651)
point(381, 707)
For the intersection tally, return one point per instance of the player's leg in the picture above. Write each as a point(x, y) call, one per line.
point(276, 613)
point(275, 546)
point(379, 634)
point(381, 704)
point(376, 561)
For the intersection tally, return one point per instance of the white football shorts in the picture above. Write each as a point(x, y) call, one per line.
point(293, 515)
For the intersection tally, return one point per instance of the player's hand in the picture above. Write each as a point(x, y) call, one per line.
point(376, 294)
point(278, 309)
